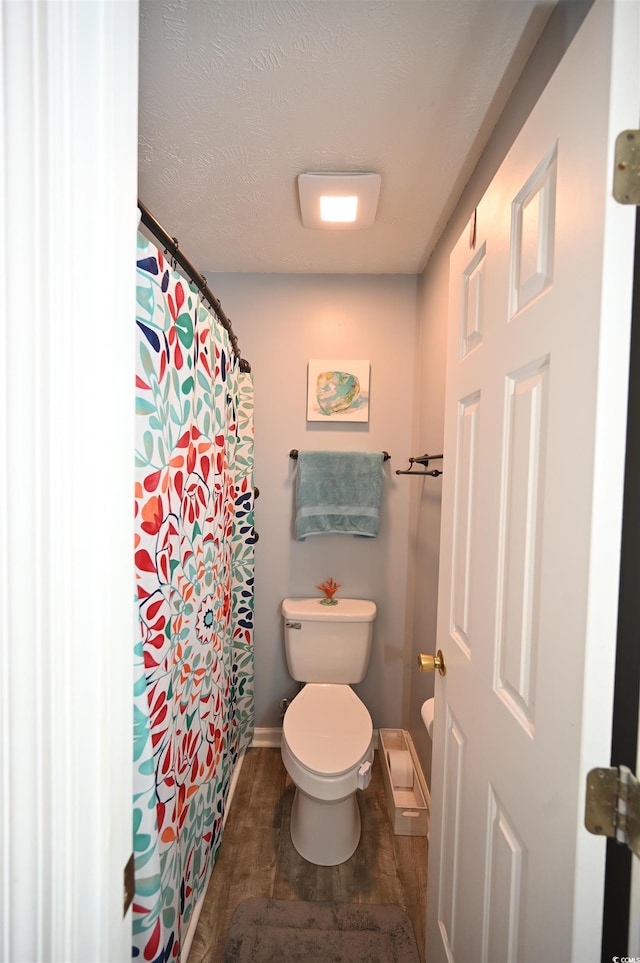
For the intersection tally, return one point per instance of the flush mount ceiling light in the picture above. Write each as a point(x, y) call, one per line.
point(342, 202)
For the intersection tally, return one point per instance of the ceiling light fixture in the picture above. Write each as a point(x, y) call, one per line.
point(338, 208)
point(339, 201)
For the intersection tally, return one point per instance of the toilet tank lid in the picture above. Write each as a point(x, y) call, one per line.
point(346, 610)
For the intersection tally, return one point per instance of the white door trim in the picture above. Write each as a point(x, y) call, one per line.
point(68, 172)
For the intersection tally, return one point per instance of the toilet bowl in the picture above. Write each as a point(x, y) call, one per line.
point(327, 749)
point(428, 712)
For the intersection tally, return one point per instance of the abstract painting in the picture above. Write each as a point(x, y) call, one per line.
point(338, 391)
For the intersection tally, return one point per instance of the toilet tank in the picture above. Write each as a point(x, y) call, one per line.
point(328, 643)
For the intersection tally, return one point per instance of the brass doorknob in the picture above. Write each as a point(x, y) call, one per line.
point(428, 663)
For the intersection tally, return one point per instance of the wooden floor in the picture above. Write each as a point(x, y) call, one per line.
point(257, 858)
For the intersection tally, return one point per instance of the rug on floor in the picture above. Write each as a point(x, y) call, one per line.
point(289, 931)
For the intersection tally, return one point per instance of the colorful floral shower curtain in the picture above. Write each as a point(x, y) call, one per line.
point(194, 566)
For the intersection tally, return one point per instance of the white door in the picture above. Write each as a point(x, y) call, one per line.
point(534, 458)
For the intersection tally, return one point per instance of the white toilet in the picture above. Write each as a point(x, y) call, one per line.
point(327, 733)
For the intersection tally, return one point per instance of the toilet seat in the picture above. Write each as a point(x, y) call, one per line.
point(327, 729)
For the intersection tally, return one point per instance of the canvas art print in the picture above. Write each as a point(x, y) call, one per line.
point(338, 391)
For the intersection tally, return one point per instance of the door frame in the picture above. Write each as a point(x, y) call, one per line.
point(68, 174)
point(624, 736)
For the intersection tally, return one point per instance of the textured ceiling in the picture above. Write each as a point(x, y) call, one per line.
point(238, 97)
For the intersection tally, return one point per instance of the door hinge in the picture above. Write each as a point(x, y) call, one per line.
point(626, 167)
point(613, 805)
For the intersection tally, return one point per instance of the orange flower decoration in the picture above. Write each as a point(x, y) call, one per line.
point(329, 588)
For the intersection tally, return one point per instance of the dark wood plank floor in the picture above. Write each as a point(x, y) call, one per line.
point(257, 858)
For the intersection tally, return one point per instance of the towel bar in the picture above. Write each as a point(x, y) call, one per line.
point(294, 454)
point(424, 461)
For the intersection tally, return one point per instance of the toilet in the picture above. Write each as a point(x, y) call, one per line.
point(327, 732)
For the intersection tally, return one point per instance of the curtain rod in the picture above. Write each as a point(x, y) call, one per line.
point(171, 247)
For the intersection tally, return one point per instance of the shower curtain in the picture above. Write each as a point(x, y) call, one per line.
point(194, 566)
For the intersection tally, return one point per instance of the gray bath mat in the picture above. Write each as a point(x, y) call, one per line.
point(289, 931)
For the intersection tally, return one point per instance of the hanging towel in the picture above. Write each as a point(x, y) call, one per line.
point(338, 492)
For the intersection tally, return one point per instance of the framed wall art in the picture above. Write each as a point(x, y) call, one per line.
point(338, 391)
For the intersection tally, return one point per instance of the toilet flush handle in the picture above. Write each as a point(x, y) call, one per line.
point(427, 663)
point(364, 775)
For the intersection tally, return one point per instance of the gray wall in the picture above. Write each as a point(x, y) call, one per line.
point(282, 321)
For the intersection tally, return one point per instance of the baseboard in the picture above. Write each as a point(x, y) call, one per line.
point(271, 738)
point(267, 738)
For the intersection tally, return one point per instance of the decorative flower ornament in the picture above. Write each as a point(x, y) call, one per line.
point(329, 588)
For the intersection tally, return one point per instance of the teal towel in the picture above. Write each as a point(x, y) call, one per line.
point(338, 492)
